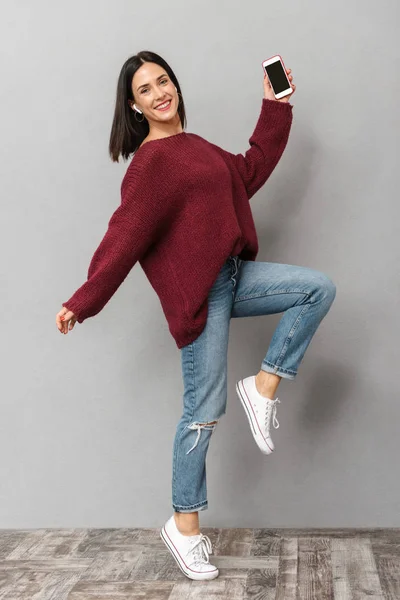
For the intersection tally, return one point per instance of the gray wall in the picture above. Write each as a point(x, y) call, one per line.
point(88, 419)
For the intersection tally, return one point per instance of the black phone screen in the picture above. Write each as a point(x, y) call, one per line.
point(277, 76)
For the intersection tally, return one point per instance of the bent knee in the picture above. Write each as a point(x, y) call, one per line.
point(330, 288)
point(327, 290)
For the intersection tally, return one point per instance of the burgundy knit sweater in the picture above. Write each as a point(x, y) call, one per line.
point(184, 209)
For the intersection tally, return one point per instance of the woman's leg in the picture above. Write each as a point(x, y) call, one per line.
point(303, 294)
point(204, 369)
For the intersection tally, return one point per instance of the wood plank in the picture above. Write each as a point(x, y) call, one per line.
point(314, 568)
point(46, 565)
point(354, 570)
point(286, 588)
point(114, 590)
point(386, 550)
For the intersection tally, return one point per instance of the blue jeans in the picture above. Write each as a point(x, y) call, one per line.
point(242, 289)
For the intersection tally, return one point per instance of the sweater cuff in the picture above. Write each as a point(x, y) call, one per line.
point(76, 309)
point(273, 111)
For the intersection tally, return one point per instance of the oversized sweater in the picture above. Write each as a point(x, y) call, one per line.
point(184, 210)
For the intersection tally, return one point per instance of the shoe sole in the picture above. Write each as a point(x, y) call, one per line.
point(253, 424)
point(191, 574)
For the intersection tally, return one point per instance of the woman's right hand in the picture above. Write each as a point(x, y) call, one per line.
point(65, 320)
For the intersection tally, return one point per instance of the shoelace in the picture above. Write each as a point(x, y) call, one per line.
point(271, 409)
point(201, 549)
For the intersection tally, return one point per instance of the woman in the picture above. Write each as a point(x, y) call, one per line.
point(185, 216)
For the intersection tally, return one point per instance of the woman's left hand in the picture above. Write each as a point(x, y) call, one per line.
point(269, 94)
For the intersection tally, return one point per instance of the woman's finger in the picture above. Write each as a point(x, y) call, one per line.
point(63, 312)
point(68, 315)
point(64, 323)
point(60, 322)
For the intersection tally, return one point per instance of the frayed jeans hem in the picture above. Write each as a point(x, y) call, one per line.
point(284, 373)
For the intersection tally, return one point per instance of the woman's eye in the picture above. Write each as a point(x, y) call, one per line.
point(162, 81)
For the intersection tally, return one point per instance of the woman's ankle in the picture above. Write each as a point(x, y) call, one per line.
point(187, 523)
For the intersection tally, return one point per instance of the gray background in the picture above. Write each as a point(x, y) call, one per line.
point(88, 419)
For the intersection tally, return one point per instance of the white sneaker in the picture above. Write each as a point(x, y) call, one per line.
point(258, 410)
point(191, 552)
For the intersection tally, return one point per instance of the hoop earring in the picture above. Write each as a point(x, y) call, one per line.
point(135, 113)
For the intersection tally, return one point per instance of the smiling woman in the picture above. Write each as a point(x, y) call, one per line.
point(149, 104)
point(185, 215)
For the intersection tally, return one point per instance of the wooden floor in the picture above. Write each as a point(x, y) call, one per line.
point(117, 564)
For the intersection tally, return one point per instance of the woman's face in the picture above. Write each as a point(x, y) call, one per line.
point(151, 86)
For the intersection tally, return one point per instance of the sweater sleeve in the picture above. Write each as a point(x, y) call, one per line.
point(267, 144)
point(132, 228)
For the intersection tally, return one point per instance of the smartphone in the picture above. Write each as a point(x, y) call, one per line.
point(276, 73)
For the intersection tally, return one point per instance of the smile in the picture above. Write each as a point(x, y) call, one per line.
point(164, 106)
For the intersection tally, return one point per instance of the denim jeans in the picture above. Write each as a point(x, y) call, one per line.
point(242, 289)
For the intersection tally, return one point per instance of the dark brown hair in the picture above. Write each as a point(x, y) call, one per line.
point(126, 132)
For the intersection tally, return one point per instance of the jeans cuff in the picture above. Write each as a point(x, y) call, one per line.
point(284, 373)
point(189, 509)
